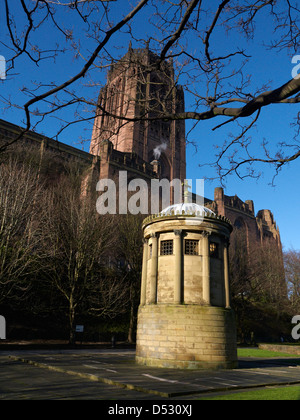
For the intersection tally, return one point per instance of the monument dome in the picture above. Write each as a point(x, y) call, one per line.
point(187, 208)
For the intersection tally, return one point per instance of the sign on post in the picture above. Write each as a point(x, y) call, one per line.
point(79, 328)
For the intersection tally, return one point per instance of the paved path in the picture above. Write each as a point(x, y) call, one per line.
point(113, 374)
point(19, 381)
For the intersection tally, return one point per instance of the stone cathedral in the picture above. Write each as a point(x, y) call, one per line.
point(146, 149)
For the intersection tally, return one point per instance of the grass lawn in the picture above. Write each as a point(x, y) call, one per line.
point(255, 352)
point(287, 393)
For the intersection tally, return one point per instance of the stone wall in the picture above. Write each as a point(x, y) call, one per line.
point(281, 348)
point(9, 132)
point(242, 215)
point(186, 336)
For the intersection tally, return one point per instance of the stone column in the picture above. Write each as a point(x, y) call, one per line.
point(154, 266)
point(206, 267)
point(178, 267)
point(144, 273)
point(226, 275)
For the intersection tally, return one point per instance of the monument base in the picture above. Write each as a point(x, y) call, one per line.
point(186, 337)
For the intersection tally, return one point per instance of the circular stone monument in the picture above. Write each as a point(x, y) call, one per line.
point(184, 319)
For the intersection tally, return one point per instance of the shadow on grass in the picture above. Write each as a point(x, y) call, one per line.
point(252, 363)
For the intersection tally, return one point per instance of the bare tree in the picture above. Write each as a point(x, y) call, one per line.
point(78, 240)
point(20, 229)
point(130, 248)
point(258, 281)
point(186, 32)
point(268, 276)
point(292, 270)
point(108, 296)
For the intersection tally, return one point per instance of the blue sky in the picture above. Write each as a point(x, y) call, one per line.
point(274, 125)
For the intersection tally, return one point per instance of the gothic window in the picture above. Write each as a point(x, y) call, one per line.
point(166, 247)
point(191, 247)
point(239, 223)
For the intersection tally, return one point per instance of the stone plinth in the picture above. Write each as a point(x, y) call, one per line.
point(186, 337)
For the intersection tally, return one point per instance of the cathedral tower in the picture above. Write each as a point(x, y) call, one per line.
point(139, 87)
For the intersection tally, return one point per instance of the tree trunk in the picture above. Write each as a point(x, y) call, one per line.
point(130, 338)
point(131, 324)
point(72, 334)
